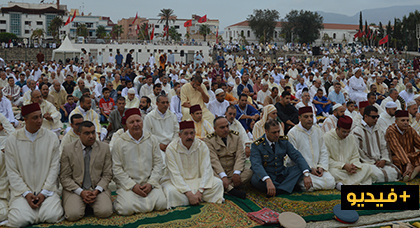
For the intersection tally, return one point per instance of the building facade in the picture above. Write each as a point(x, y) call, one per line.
point(338, 33)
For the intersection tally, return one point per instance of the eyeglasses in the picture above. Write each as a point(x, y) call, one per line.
point(374, 117)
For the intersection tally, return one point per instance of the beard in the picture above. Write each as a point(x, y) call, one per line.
point(410, 90)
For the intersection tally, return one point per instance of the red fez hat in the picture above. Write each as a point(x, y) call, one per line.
point(305, 109)
point(363, 104)
point(195, 108)
point(345, 122)
point(30, 108)
point(186, 124)
point(148, 76)
point(132, 111)
point(401, 113)
point(124, 120)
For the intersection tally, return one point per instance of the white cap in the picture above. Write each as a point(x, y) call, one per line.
point(219, 91)
point(356, 69)
point(391, 104)
point(412, 102)
point(131, 91)
point(416, 96)
point(183, 81)
point(205, 80)
point(231, 84)
point(336, 106)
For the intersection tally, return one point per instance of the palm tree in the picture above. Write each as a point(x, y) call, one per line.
point(82, 30)
point(117, 30)
point(37, 34)
point(54, 28)
point(100, 32)
point(166, 15)
point(204, 30)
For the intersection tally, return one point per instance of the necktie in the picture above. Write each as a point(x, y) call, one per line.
point(225, 141)
point(273, 147)
point(87, 183)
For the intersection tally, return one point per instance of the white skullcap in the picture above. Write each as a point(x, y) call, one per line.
point(218, 91)
point(416, 96)
point(205, 80)
point(131, 91)
point(264, 83)
point(336, 106)
point(183, 81)
point(412, 102)
point(391, 104)
point(231, 84)
point(356, 69)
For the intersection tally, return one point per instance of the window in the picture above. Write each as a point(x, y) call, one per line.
point(26, 31)
point(2, 22)
point(39, 23)
point(2, 30)
point(156, 26)
point(139, 50)
point(248, 33)
point(15, 23)
point(334, 35)
point(177, 26)
point(110, 50)
point(148, 50)
point(48, 19)
point(62, 32)
point(27, 23)
point(275, 34)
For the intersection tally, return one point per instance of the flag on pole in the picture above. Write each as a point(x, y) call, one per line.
point(135, 19)
point(67, 22)
point(74, 16)
point(165, 31)
point(202, 19)
point(153, 33)
point(384, 40)
point(358, 34)
point(188, 23)
point(217, 36)
point(138, 29)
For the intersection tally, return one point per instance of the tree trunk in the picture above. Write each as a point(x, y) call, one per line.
point(167, 31)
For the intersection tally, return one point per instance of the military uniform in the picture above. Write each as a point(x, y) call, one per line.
point(228, 159)
point(268, 163)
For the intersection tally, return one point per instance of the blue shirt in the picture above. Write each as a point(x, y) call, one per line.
point(300, 86)
point(241, 88)
point(119, 58)
point(337, 98)
point(249, 111)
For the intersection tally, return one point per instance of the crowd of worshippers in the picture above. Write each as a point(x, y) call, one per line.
point(193, 130)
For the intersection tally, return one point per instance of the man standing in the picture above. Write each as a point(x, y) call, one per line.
point(85, 182)
point(189, 168)
point(387, 118)
point(32, 164)
point(314, 151)
point(344, 159)
point(195, 93)
point(372, 147)
point(287, 112)
point(71, 135)
point(115, 117)
point(138, 186)
point(129, 58)
point(331, 121)
point(267, 156)
point(218, 106)
point(404, 142)
point(162, 123)
point(202, 126)
point(228, 157)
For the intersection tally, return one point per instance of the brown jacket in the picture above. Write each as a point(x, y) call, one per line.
point(72, 166)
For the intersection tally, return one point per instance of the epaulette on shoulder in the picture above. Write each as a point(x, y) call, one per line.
point(284, 137)
point(259, 141)
point(209, 136)
point(234, 132)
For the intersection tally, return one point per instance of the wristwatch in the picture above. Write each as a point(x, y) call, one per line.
point(201, 190)
point(306, 174)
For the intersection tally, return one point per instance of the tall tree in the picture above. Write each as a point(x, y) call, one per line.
point(82, 30)
point(389, 33)
point(306, 25)
point(37, 34)
point(166, 15)
point(173, 33)
point(100, 32)
point(263, 23)
point(360, 22)
point(54, 27)
point(381, 32)
point(117, 30)
point(366, 33)
point(204, 30)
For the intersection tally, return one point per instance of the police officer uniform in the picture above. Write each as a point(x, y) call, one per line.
point(228, 156)
point(267, 161)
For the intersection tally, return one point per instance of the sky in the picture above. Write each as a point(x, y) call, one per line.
point(228, 11)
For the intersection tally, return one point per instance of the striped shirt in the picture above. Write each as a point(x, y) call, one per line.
point(403, 146)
